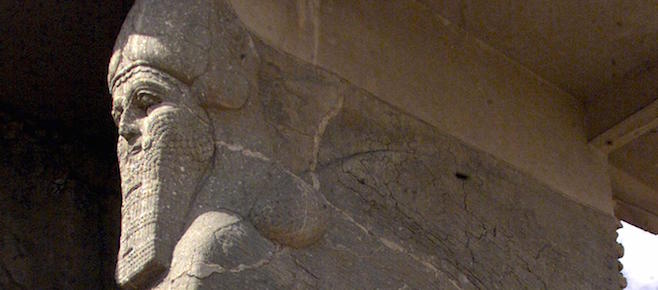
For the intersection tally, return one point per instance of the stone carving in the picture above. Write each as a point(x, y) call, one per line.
point(244, 168)
point(162, 79)
point(164, 151)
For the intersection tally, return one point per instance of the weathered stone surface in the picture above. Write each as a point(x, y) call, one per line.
point(243, 167)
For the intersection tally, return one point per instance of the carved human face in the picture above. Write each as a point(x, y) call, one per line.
point(164, 149)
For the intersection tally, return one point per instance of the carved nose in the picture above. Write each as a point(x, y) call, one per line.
point(128, 127)
point(128, 133)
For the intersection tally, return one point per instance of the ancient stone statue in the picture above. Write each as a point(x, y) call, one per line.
point(163, 78)
point(245, 168)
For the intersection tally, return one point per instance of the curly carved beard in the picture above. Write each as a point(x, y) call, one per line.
point(158, 184)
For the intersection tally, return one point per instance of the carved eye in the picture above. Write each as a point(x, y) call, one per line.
point(145, 100)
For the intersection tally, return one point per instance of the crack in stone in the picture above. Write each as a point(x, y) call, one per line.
point(348, 217)
point(203, 270)
point(392, 245)
point(200, 270)
point(543, 248)
point(317, 138)
point(244, 151)
point(301, 266)
point(425, 261)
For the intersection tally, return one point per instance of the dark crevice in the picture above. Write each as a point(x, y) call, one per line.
point(462, 176)
point(58, 144)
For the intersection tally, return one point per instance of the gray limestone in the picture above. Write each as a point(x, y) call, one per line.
point(245, 168)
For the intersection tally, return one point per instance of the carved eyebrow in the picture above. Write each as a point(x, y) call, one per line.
point(134, 68)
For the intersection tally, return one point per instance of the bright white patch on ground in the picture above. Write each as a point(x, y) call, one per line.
point(640, 257)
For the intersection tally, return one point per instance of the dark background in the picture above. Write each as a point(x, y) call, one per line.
point(59, 185)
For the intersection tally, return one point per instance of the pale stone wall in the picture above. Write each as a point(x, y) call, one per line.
point(336, 146)
point(410, 207)
point(420, 63)
point(444, 164)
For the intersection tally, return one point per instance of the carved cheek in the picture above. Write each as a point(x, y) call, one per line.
point(178, 138)
point(122, 149)
point(126, 161)
point(161, 121)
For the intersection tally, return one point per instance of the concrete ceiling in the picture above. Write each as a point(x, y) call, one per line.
point(604, 53)
point(584, 47)
point(639, 158)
